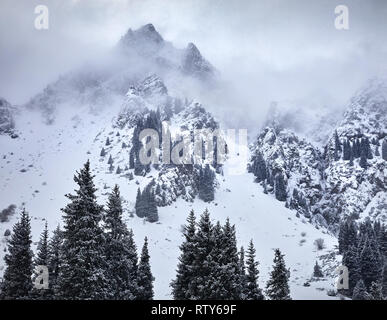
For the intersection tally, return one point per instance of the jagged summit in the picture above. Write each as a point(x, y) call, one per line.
point(146, 35)
point(194, 63)
point(366, 112)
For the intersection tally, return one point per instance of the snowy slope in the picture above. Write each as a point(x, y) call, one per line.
point(84, 108)
point(51, 154)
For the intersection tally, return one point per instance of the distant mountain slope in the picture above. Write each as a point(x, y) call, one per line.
point(325, 185)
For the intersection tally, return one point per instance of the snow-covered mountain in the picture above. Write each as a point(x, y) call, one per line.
point(96, 113)
point(323, 183)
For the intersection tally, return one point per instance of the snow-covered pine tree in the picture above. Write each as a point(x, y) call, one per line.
point(317, 272)
point(370, 262)
point(368, 148)
point(352, 261)
point(55, 259)
point(214, 288)
point(347, 234)
point(17, 282)
point(139, 206)
point(41, 259)
point(280, 187)
point(144, 275)
point(363, 158)
point(351, 157)
point(181, 286)
point(259, 167)
point(277, 288)
point(121, 260)
point(82, 275)
point(146, 205)
point(243, 276)
point(152, 212)
point(228, 264)
point(337, 150)
point(360, 292)
point(110, 161)
point(253, 292)
point(346, 150)
point(202, 267)
point(384, 149)
point(356, 148)
point(103, 152)
point(206, 184)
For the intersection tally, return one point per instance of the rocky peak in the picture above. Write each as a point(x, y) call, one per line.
point(366, 112)
point(145, 40)
point(194, 64)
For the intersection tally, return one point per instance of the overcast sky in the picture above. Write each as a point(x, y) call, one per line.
point(268, 49)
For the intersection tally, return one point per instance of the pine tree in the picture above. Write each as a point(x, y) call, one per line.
point(203, 267)
point(277, 288)
point(357, 148)
point(368, 148)
point(352, 261)
point(346, 150)
point(144, 275)
point(360, 292)
point(41, 259)
point(317, 272)
point(280, 187)
point(55, 259)
point(370, 262)
point(82, 275)
point(152, 212)
point(139, 206)
point(363, 158)
point(347, 235)
point(228, 263)
point(384, 149)
point(206, 184)
point(118, 171)
point(121, 257)
point(259, 167)
point(181, 286)
point(103, 152)
point(146, 205)
point(253, 292)
point(337, 150)
point(110, 161)
point(17, 282)
point(107, 141)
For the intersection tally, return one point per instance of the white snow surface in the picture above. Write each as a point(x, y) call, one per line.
point(37, 169)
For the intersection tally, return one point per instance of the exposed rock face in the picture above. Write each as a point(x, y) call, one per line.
point(148, 103)
point(139, 52)
point(7, 123)
point(194, 63)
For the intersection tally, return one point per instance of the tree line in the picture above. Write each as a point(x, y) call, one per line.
point(211, 268)
point(93, 257)
point(364, 250)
